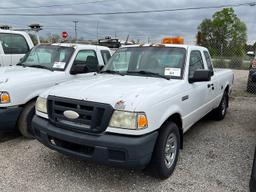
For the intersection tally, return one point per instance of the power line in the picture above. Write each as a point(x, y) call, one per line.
point(128, 12)
point(56, 5)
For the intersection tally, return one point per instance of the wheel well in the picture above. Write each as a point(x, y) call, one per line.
point(227, 89)
point(176, 118)
point(31, 100)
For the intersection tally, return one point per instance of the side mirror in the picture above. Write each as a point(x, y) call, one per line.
point(250, 54)
point(201, 75)
point(78, 69)
point(254, 77)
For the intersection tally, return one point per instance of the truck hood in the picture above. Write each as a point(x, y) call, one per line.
point(21, 74)
point(111, 89)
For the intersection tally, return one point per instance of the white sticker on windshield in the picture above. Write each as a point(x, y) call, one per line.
point(176, 72)
point(59, 65)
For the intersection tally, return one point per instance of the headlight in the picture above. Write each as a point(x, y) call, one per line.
point(4, 98)
point(128, 120)
point(41, 105)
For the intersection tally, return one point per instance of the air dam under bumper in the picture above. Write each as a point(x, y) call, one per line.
point(117, 150)
point(8, 118)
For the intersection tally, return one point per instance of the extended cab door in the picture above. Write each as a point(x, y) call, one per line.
point(212, 84)
point(198, 92)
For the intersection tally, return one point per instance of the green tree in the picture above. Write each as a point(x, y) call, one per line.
point(224, 35)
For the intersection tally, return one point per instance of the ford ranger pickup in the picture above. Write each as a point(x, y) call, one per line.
point(43, 67)
point(134, 112)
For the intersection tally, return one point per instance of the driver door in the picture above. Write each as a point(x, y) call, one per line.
point(197, 92)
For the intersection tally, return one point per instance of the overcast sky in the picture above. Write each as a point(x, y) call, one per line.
point(139, 26)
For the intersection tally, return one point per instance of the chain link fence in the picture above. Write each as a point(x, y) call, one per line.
point(240, 61)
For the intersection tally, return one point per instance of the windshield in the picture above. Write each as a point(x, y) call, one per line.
point(148, 61)
point(48, 56)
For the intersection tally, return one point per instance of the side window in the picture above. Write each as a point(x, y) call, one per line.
point(13, 43)
point(87, 59)
point(195, 62)
point(208, 60)
point(105, 55)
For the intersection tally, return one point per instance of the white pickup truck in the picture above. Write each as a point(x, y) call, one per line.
point(135, 111)
point(43, 67)
point(13, 46)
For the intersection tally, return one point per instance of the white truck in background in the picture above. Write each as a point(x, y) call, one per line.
point(43, 67)
point(15, 43)
point(135, 111)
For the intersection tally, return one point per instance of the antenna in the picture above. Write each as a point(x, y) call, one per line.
point(127, 39)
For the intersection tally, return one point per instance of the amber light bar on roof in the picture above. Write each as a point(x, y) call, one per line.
point(173, 40)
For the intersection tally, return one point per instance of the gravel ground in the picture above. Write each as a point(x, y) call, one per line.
point(217, 156)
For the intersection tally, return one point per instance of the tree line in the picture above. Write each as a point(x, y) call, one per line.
point(224, 34)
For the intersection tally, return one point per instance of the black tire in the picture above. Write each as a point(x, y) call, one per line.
point(251, 86)
point(159, 165)
point(253, 175)
point(220, 112)
point(25, 120)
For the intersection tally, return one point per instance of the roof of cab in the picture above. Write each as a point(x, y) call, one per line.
point(13, 32)
point(186, 46)
point(81, 46)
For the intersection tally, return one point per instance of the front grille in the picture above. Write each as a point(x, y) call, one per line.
point(93, 117)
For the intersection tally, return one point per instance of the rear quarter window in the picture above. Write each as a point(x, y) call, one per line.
point(105, 55)
point(208, 60)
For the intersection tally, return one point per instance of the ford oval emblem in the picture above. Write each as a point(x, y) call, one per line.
point(71, 114)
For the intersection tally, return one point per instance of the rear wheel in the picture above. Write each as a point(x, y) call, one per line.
point(25, 120)
point(165, 155)
point(220, 112)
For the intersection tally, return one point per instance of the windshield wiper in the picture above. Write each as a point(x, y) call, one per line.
point(21, 64)
point(112, 72)
point(38, 66)
point(149, 73)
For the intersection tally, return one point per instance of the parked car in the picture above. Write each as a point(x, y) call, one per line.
point(251, 85)
point(253, 175)
point(44, 66)
point(13, 46)
point(138, 108)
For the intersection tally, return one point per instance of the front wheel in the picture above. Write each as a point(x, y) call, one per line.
point(25, 120)
point(165, 155)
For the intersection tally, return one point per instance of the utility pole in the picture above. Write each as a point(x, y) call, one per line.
point(97, 30)
point(75, 22)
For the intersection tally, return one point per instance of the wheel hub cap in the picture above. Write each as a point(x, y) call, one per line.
point(170, 150)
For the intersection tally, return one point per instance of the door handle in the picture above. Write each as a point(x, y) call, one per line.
point(210, 86)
